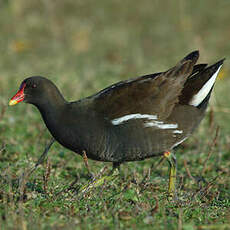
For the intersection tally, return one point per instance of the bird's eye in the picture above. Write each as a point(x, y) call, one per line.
point(34, 86)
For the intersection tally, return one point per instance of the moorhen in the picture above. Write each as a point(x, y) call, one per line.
point(131, 120)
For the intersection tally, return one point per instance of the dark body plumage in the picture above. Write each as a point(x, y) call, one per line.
point(131, 120)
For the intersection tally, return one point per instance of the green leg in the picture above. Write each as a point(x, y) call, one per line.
point(171, 158)
point(96, 182)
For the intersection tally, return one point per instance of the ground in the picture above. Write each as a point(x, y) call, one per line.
point(84, 46)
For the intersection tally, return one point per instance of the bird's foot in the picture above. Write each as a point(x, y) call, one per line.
point(172, 196)
point(91, 176)
point(98, 180)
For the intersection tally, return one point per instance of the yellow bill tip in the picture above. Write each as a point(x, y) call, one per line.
point(13, 102)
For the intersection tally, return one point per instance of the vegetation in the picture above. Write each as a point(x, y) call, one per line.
point(84, 46)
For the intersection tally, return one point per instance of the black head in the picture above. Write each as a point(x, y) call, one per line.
point(36, 90)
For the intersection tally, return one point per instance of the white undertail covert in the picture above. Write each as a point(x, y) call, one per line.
point(204, 91)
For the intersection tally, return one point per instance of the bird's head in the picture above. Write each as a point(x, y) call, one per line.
point(34, 90)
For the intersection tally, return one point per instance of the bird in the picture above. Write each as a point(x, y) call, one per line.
point(131, 120)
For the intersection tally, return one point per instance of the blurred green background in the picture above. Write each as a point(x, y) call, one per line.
point(84, 46)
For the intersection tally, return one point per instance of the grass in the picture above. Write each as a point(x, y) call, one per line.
point(85, 46)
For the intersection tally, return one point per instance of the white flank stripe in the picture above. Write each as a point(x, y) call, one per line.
point(120, 120)
point(179, 142)
point(152, 123)
point(161, 125)
point(178, 131)
point(200, 96)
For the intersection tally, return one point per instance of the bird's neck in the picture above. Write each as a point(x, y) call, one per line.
point(51, 108)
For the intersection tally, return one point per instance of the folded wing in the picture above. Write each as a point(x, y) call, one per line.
point(154, 95)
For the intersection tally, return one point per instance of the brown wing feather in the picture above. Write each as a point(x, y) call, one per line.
point(153, 94)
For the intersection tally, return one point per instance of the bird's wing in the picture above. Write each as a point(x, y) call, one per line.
point(155, 94)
